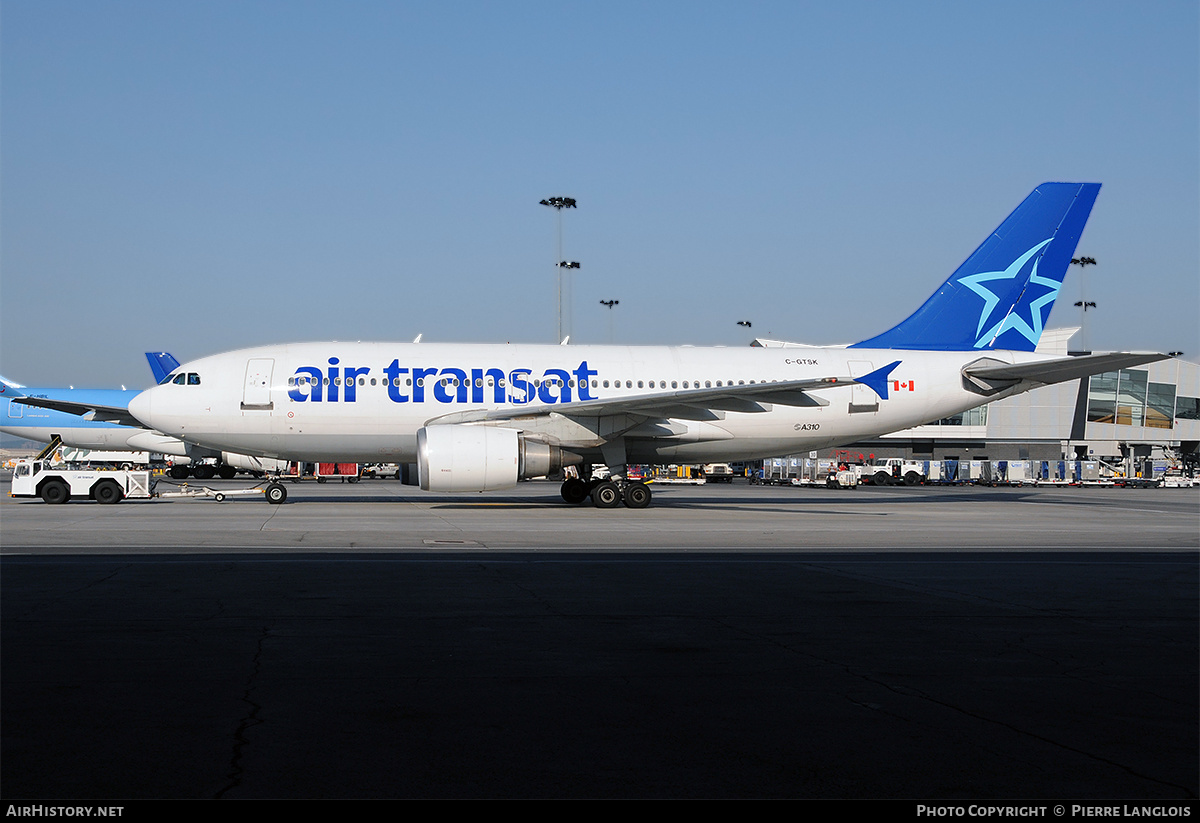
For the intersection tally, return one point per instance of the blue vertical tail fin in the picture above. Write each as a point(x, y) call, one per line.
point(1001, 296)
point(10, 389)
point(161, 364)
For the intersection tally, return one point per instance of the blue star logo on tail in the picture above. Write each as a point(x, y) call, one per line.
point(1031, 330)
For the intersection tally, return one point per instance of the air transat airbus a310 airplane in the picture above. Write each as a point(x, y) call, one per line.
point(479, 417)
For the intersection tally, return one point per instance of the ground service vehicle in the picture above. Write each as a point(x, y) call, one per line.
point(718, 473)
point(37, 478)
point(888, 471)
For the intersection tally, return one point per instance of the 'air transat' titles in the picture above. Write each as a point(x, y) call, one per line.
point(337, 383)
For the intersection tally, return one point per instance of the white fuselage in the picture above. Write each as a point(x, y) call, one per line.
point(365, 401)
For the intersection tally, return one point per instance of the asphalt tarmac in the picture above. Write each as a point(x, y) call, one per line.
point(372, 640)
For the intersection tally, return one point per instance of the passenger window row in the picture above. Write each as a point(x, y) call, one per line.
point(194, 379)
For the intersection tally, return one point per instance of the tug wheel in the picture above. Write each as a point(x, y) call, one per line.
point(56, 492)
point(107, 492)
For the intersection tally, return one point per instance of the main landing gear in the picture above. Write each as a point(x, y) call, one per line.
point(607, 494)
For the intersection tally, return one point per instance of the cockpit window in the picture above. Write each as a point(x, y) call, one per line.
point(193, 379)
point(180, 379)
point(170, 378)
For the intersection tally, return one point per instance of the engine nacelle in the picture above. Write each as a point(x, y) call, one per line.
point(155, 442)
point(457, 458)
point(250, 463)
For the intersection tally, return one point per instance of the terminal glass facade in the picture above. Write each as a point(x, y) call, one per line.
point(1102, 398)
point(1128, 398)
point(1160, 405)
point(1131, 397)
point(971, 417)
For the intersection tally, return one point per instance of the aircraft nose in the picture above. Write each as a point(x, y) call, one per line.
point(140, 407)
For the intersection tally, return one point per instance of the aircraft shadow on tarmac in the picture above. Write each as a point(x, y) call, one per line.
point(765, 501)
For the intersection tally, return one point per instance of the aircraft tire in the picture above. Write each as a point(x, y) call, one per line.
point(179, 472)
point(574, 491)
point(204, 471)
point(606, 495)
point(107, 492)
point(276, 493)
point(227, 472)
point(55, 492)
point(637, 496)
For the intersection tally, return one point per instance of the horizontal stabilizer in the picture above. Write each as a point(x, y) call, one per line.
point(1060, 369)
point(877, 380)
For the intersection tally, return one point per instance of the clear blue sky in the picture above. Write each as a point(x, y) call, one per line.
point(201, 176)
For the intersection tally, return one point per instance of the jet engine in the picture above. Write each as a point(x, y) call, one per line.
point(457, 458)
point(250, 463)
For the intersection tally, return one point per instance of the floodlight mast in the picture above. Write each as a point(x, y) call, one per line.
point(1083, 302)
point(610, 304)
point(747, 325)
point(558, 204)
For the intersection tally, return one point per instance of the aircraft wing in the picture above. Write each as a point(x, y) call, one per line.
point(89, 411)
point(689, 404)
point(1058, 370)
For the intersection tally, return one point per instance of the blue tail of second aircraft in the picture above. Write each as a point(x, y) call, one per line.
point(161, 364)
point(1001, 296)
point(10, 389)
